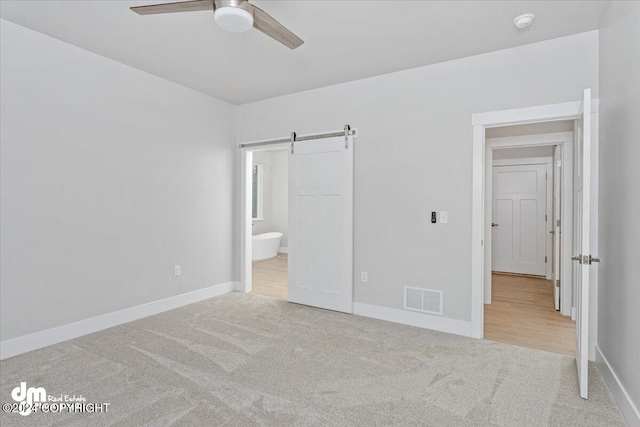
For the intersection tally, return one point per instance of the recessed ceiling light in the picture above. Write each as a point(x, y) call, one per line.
point(524, 20)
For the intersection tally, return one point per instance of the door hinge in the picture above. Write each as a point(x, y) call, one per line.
point(545, 218)
point(545, 260)
point(557, 223)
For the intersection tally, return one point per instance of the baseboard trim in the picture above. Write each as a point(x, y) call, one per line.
point(628, 408)
point(283, 250)
point(413, 318)
point(19, 345)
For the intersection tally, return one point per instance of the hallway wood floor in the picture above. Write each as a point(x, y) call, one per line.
point(522, 313)
point(270, 277)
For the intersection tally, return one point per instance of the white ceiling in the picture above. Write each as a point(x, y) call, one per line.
point(344, 40)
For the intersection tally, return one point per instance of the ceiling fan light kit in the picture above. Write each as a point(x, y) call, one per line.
point(236, 16)
point(233, 19)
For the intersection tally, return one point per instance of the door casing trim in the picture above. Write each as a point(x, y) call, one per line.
point(480, 121)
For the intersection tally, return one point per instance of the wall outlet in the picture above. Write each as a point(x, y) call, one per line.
point(364, 276)
point(443, 217)
point(176, 270)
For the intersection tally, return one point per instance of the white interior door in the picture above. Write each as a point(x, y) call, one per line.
point(321, 224)
point(582, 257)
point(518, 219)
point(555, 225)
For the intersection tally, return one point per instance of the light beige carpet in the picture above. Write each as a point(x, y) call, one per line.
point(245, 360)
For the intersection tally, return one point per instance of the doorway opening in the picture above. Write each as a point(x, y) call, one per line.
point(528, 188)
point(578, 252)
point(269, 223)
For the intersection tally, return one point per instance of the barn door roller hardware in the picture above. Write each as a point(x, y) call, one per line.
point(347, 132)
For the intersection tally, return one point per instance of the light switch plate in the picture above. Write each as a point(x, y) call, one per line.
point(176, 270)
point(444, 217)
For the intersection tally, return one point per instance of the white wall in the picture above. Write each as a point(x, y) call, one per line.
point(619, 283)
point(263, 225)
point(280, 194)
point(110, 177)
point(275, 193)
point(523, 152)
point(413, 154)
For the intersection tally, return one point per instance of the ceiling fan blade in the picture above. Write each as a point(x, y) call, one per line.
point(264, 22)
point(185, 6)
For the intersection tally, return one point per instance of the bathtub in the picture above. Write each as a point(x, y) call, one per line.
point(265, 246)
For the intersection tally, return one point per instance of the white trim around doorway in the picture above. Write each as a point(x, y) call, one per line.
point(481, 121)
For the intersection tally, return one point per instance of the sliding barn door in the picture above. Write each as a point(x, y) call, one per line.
point(321, 223)
point(518, 219)
point(582, 250)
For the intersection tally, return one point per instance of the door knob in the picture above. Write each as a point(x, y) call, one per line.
point(588, 260)
point(552, 232)
point(493, 224)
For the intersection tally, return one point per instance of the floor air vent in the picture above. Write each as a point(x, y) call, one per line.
point(425, 300)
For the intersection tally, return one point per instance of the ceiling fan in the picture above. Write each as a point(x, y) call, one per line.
point(232, 15)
